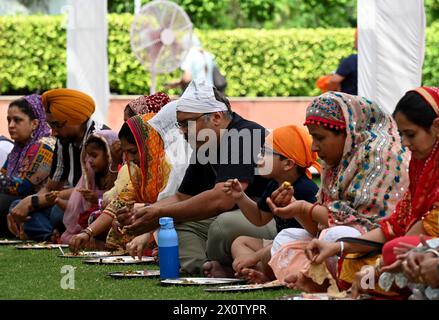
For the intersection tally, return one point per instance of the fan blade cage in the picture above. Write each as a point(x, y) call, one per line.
point(157, 34)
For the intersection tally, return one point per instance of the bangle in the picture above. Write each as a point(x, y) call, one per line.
point(341, 248)
point(88, 231)
point(112, 171)
point(435, 252)
point(110, 214)
point(311, 210)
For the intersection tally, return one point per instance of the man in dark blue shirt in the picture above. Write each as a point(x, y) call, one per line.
point(345, 79)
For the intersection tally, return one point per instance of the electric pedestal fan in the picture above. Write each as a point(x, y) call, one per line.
point(157, 35)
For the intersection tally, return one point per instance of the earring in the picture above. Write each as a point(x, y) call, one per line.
point(32, 135)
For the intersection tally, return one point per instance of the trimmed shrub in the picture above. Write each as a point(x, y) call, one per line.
point(283, 62)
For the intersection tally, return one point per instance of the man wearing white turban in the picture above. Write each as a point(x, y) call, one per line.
point(206, 219)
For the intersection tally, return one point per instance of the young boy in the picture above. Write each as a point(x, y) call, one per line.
point(285, 158)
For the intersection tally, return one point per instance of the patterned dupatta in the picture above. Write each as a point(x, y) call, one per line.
point(424, 183)
point(371, 176)
point(153, 174)
point(147, 180)
point(17, 154)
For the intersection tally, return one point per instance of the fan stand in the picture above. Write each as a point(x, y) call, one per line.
point(153, 74)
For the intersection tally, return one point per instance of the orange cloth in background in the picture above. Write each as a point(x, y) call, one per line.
point(322, 83)
point(69, 105)
point(294, 143)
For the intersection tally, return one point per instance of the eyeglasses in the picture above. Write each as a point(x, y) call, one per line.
point(185, 123)
point(268, 151)
point(56, 124)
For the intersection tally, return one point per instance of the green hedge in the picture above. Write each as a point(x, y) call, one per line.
point(256, 62)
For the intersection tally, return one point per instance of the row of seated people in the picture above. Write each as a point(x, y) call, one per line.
point(260, 217)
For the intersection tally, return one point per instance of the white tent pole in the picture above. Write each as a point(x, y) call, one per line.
point(137, 6)
point(391, 45)
point(87, 63)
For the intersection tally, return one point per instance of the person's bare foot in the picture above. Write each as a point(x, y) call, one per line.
point(254, 276)
point(214, 269)
point(301, 282)
point(356, 288)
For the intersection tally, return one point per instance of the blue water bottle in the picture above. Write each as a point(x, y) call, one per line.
point(168, 249)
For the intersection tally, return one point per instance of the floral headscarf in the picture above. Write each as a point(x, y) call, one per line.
point(372, 174)
point(147, 104)
point(15, 157)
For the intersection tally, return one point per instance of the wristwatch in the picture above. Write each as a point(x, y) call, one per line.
point(35, 202)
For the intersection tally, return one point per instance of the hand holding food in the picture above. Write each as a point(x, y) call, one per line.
point(233, 188)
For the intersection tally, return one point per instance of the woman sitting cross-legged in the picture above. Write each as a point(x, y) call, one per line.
point(152, 176)
point(28, 164)
point(417, 116)
point(363, 177)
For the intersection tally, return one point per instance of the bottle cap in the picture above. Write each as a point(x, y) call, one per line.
point(166, 222)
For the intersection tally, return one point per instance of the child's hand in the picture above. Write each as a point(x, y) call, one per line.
point(51, 197)
point(283, 195)
point(89, 195)
point(233, 188)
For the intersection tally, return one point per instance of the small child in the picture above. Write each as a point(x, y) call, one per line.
point(285, 158)
point(97, 177)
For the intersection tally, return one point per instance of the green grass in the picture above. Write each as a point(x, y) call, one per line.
point(36, 274)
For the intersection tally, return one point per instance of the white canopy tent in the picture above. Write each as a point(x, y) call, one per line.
point(391, 41)
point(391, 45)
point(87, 63)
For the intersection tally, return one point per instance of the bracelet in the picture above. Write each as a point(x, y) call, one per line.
point(88, 231)
point(435, 252)
point(83, 231)
point(110, 214)
point(112, 171)
point(341, 248)
point(311, 210)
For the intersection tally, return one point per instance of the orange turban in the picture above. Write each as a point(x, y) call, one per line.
point(69, 105)
point(294, 143)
